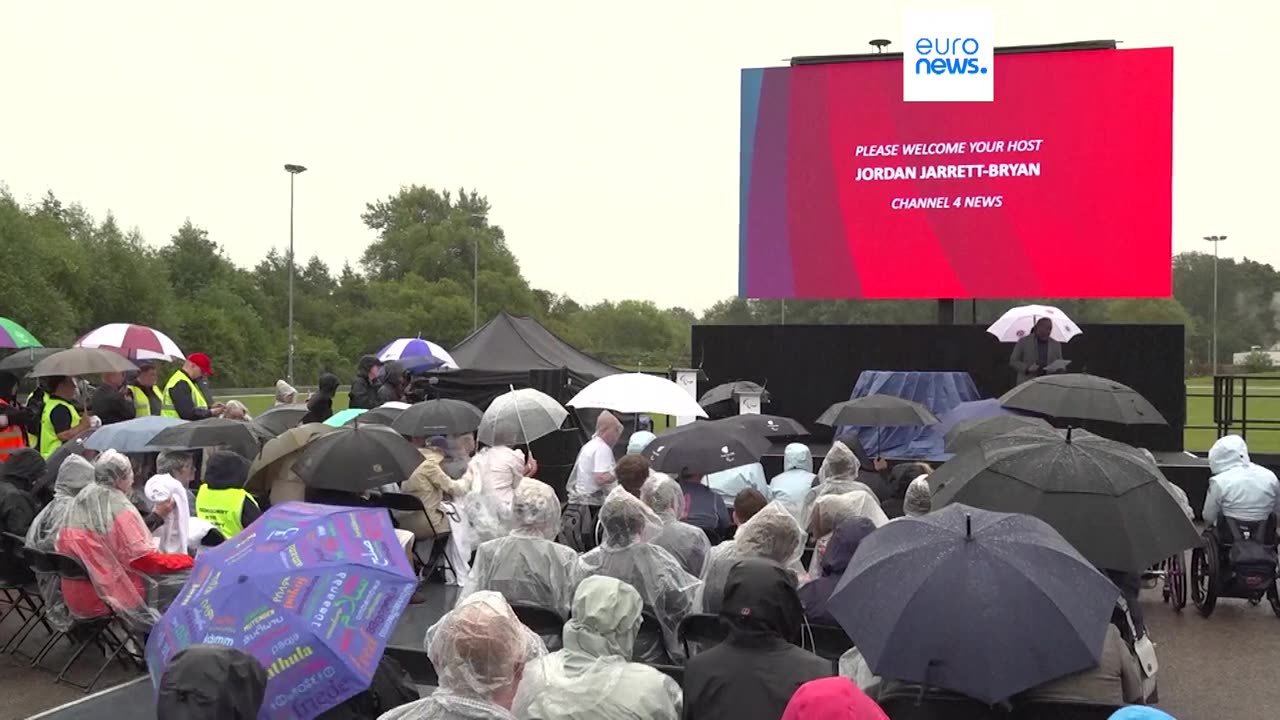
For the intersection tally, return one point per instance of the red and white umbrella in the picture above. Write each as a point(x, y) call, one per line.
point(136, 342)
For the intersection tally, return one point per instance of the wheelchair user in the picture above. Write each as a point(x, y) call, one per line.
point(1239, 489)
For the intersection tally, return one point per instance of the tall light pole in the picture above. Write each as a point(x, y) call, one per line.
point(293, 171)
point(1215, 239)
point(475, 273)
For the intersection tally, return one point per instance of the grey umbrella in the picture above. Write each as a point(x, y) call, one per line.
point(519, 417)
point(236, 435)
point(130, 436)
point(968, 433)
point(1102, 496)
point(81, 361)
point(1078, 396)
point(26, 358)
point(985, 604)
point(729, 392)
point(438, 417)
point(878, 411)
point(280, 418)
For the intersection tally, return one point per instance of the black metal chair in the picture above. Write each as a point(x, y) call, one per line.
point(18, 594)
point(701, 632)
point(1040, 710)
point(910, 705)
point(40, 564)
point(109, 633)
point(404, 502)
point(545, 623)
point(650, 647)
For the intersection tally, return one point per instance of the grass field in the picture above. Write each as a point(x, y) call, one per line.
point(1264, 403)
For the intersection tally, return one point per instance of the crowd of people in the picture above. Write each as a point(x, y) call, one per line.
point(630, 556)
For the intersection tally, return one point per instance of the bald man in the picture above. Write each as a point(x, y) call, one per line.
point(591, 481)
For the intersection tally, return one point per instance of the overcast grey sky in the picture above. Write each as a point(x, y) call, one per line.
point(594, 127)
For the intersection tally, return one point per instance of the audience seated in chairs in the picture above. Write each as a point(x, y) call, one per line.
point(828, 512)
point(844, 543)
point(704, 509)
point(686, 543)
point(628, 554)
point(74, 475)
point(754, 672)
point(430, 484)
point(791, 487)
point(772, 534)
point(591, 678)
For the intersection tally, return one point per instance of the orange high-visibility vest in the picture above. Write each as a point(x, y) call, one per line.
point(12, 437)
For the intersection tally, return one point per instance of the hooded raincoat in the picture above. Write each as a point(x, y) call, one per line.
point(528, 567)
point(209, 682)
point(838, 475)
point(844, 543)
point(1239, 489)
point(771, 534)
point(17, 505)
point(830, 511)
point(686, 543)
point(74, 475)
point(364, 392)
point(492, 477)
point(629, 555)
point(791, 487)
point(754, 673)
point(320, 404)
point(832, 699)
point(593, 677)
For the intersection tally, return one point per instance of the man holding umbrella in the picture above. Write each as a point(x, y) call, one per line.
point(1035, 352)
point(183, 397)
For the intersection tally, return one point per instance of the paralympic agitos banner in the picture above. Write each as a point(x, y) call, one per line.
point(1060, 187)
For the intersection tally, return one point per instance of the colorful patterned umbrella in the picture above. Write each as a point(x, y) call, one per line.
point(136, 342)
point(312, 591)
point(13, 335)
point(416, 354)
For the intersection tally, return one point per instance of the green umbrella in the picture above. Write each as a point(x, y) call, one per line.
point(13, 335)
point(343, 417)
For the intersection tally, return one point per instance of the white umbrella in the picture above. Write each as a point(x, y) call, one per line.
point(519, 417)
point(136, 342)
point(638, 393)
point(1018, 322)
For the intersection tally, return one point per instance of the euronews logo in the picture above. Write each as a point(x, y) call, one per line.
point(949, 56)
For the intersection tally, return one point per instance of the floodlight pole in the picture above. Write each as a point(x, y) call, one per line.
point(1215, 239)
point(293, 171)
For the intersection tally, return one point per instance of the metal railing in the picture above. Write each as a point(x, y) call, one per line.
point(1237, 411)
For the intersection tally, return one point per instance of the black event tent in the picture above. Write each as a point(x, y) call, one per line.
point(516, 351)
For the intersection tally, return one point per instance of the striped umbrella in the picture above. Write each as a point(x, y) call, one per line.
point(136, 342)
point(417, 354)
point(13, 335)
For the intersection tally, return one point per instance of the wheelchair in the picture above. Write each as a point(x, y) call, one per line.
point(1172, 575)
point(1235, 559)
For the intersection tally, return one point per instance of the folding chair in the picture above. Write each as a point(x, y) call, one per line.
point(701, 632)
point(545, 623)
point(403, 502)
point(16, 595)
point(41, 564)
point(829, 641)
point(105, 632)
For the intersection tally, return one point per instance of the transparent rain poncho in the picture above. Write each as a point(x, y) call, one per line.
point(593, 677)
point(837, 475)
point(477, 650)
point(492, 475)
point(629, 555)
point(527, 566)
point(829, 511)
point(687, 543)
point(106, 534)
point(73, 476)
point(771, 534)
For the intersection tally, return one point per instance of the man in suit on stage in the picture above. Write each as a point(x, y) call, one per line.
point(1035, 352)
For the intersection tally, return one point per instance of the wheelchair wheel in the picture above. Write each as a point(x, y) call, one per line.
point(1273, 596)
point(1204, 578)
point(1175, 582)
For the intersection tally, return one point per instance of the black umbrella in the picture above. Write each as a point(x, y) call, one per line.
point(968, 433)
point(1105, 498)
point(981, 603)
point(770, 426)
point(438, 417)
point(378, 416)
point(237, 435)
point(1078, 396)
point(357, 458)
point(26, 358)
point(878, 411)
point(729, 392)
point(280, 418)
point(704, 448)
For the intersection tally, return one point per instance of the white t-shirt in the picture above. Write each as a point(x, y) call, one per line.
point(595, 457)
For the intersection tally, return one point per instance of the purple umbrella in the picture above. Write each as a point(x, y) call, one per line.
point(311, 591)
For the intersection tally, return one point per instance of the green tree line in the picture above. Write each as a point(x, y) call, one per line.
point(67, 273)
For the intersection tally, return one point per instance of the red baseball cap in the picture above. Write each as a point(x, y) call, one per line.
point(201, 361)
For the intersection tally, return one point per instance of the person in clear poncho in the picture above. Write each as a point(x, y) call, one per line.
point(106, 534)
point(771, 534)
point(837, 475)
point(628, 554)
point(687, 543)
point(74, 475)
point(492, 476)
point(479, 651)
point(593, 677)
point(831, 511)
point(528, 567)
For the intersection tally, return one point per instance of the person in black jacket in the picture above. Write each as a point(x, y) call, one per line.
point(755, 671)
point(394, 381)
point(320, 404)
point(17, 505)
point(112, 400)
point(364, 387)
